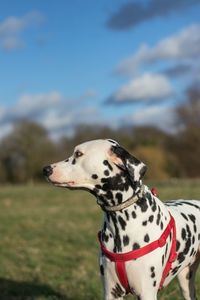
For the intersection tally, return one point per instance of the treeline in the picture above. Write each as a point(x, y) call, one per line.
point(28, 147)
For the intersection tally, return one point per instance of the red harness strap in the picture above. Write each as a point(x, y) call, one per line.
point(121, 258)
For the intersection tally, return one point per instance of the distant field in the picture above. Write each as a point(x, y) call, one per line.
point(48, 244)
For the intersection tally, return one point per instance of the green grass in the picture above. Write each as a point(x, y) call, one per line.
point(48, 244)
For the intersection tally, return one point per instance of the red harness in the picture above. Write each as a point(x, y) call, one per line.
point(121, 258)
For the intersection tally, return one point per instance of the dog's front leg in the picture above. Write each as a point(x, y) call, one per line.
point(147, 297)
point(114, 292)
point(112, 287)
point(146, 293)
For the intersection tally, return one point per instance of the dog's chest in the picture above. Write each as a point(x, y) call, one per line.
point(135, 226)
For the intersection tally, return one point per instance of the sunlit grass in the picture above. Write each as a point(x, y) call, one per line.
point(48, 244)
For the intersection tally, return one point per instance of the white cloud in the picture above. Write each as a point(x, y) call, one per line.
point(30, 103)
point(57, 113)
point(185, 45)
point(12, 28)
point(55, 120)
point(12, 42)
point(31, 106)
point(159, 116)
point(149, 86)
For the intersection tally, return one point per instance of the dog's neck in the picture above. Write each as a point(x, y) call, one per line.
point(116, 190)
point(120, 229)
point(123, 200)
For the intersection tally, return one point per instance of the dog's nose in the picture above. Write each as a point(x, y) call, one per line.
point(47, 171)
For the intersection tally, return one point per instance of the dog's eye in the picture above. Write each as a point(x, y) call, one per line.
point(78, 154)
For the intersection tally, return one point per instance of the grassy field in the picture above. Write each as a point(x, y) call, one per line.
point(48, 244)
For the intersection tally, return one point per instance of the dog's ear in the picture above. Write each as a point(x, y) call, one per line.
point(127, 162)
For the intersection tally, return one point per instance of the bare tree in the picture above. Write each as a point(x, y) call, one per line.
point(24, 151)
point(189, 113)
point(186, 143)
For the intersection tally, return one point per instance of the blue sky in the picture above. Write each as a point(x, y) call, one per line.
point(65, 63)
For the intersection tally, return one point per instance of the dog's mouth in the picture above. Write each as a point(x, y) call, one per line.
point(67, 184)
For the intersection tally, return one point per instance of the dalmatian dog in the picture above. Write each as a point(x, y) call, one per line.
point(134, 218)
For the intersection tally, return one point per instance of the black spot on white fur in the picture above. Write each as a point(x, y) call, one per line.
point(94, 176)
point(146, 238)
point(117, 291)
point(125, 240)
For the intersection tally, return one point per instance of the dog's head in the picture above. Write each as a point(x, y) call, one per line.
point(101, 166)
